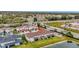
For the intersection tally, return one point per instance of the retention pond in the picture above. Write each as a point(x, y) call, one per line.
point(63, 45)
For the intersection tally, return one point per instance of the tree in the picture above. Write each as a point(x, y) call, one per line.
point(24, 38)
point(15, 31)
point(4, 32)
point(46, 17)
point(38, 24)
point(45, 26)
point(69, 34)
point(35, 19)
point(63, 17)
point(69, 17)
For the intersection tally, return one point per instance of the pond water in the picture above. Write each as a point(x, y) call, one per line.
point(64, 45)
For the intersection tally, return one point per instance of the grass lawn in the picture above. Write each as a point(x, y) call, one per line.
point(41, 43)
point(58, 24)
point(72, 39)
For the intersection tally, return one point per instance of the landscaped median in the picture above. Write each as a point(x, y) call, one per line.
point(41, 43)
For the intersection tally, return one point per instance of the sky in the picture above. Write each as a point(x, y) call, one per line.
point(39, 5)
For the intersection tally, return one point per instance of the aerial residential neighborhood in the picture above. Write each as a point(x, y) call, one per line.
point(39, 30)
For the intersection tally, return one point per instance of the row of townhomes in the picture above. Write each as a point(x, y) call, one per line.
point(33, 33)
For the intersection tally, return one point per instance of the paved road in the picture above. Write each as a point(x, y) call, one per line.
point(73, 20)
point(75, 35)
